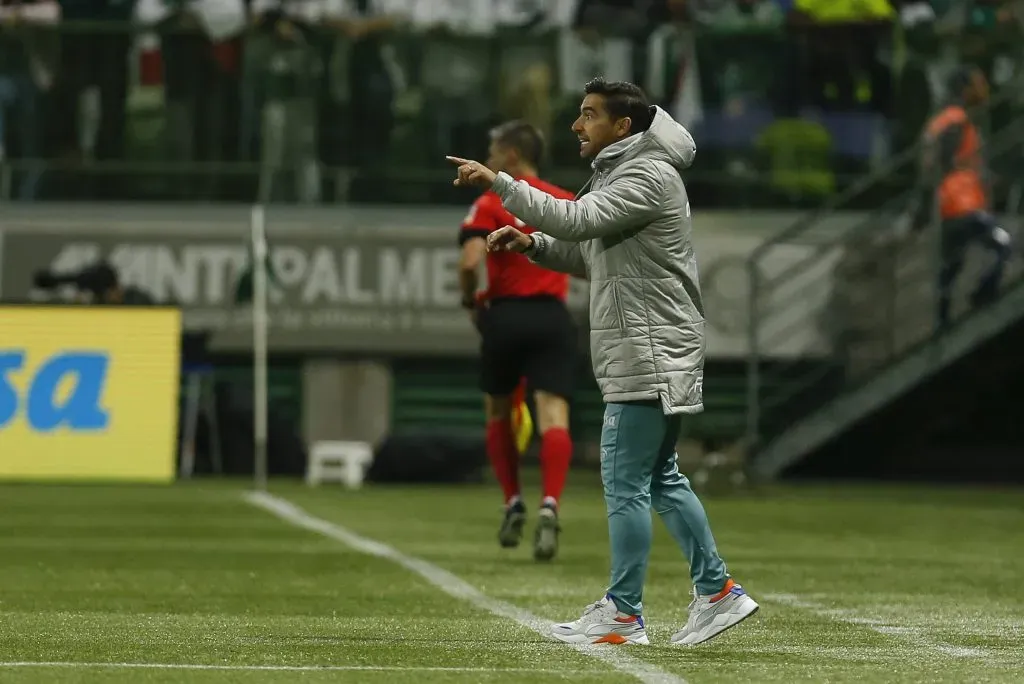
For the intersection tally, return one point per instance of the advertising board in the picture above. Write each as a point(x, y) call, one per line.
point(89, 393)
point(349, 279)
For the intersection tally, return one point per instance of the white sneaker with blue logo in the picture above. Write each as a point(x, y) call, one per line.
point(603, 623)
point(712, 615)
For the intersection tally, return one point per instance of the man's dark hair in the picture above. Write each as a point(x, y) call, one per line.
point(623, 99)
point(523, 137)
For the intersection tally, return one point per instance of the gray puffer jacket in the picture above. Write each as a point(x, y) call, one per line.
point(630, 236)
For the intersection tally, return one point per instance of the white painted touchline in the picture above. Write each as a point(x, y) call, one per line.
point(285, 668)
point(454, 586)
point(913, 634)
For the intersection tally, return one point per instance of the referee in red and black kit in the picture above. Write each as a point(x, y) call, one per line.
point(526, 332)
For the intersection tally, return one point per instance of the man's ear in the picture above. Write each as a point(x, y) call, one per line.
point(623, 126)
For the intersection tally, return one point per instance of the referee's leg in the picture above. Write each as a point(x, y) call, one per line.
point(552, 422)
point(499, 376)
point(551, 372)
point(503, 453)
point(501, 445)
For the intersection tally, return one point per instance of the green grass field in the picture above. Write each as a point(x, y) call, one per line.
point(193, 583)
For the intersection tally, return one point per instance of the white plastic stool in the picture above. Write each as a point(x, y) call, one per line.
point(345, 462)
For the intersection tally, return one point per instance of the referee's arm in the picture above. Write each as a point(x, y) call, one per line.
point(474, 250)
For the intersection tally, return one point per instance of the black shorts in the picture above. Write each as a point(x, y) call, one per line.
point(533, 338)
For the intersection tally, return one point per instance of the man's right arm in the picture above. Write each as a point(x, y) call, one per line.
point(557, 255)
point(634, 200)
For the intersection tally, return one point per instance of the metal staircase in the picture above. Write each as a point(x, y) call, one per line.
point(851, 326)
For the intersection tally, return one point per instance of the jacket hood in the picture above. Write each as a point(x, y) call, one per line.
point(666, 140)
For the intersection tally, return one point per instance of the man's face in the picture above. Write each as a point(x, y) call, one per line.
point(499, 157)
point(977, 90)
point(596, 128)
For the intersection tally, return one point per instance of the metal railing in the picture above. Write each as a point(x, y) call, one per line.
point(841, 295)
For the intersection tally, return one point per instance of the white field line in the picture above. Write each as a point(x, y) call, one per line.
point(454, 586)
point(914, 635)
point(283, 668)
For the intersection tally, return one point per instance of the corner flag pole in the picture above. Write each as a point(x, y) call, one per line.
point(259, 345)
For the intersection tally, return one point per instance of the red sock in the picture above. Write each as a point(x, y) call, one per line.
point(501, 449)
point(555, 454)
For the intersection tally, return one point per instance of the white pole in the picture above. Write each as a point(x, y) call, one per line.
point(259, 345)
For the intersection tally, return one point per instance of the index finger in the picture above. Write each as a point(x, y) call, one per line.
point(458, 160)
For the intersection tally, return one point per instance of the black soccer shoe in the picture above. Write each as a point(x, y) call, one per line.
point(545, 539)
point(511, 532)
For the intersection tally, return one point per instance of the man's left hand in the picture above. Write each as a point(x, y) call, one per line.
point(473, 173)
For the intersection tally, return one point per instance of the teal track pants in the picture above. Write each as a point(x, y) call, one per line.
point(638, 469)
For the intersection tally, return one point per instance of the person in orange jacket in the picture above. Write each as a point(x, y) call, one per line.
point(953, 149)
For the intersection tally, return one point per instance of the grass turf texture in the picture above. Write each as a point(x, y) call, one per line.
point(860, 584)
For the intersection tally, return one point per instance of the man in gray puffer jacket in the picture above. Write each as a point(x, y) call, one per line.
point(629, 234)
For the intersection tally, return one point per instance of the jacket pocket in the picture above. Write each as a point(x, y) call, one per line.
point(620, 314)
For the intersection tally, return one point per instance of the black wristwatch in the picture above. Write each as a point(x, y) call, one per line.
point(469, 302)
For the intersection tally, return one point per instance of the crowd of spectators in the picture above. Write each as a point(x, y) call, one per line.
point(319, 100)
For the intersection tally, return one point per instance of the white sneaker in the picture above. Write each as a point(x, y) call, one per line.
point(603, 623)
point(712, 615)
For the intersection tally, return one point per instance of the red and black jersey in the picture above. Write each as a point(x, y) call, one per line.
point(509, 274)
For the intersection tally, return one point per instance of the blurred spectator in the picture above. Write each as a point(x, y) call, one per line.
point(607, 40)
point(738, 14)
point(97, 283)
point(749, 55)
point(843, 39)
point(92, 81)
point(103, 283)
point(478, 59)
point(604, 18)
point(673, 75)
point(711, 59)
point(527, 74)
point(28, 52)
point(285, 75)
point(362, 80)
point(915, 70)
point(200, 50)
point(455, 71)
point(342, 84)
point(955, 176)
point(844, 11)
point(936, 37)
point(1004, 61)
